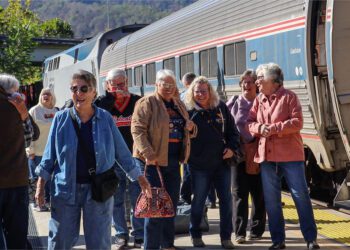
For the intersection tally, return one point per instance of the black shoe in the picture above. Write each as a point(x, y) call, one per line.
point(278, 245)
point(138, 243)
point(121, 243)
point(312, 245)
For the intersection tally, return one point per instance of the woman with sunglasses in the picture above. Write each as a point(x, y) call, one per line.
point(217, 139)
point(161, 131)
point(69, 161)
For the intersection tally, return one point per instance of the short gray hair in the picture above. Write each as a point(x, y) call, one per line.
point(8, 82)
point(163, 73)
point(188, 77)
point(114, 73)
point(272, 71)
point(85, 76)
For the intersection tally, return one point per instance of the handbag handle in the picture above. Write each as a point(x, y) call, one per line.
point(159, 174)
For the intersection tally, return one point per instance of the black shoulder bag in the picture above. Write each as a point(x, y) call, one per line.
point(103, 185)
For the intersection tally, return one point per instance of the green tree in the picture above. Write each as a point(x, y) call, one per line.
point(56, 27)
point(19, 26)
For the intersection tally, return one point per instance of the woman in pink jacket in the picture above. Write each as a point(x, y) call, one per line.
point(276, 118)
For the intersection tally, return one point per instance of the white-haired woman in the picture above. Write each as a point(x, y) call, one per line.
point(217, 139)
point(43, 114)
point(161, 131)
point(276, 118)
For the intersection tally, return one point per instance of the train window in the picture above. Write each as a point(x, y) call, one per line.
point(204, 63)
point(58, 62)
point(169, 64)
point(76, 52)
point(150, 73)
point(138, 76)
point(50, 65)
point(253, 56)
point(229, 55)
point(213, 62)
point(235, 58)
point(129, 74)
point(240, 58)
point(54, 64)
point(186, 64)
point(208, 62)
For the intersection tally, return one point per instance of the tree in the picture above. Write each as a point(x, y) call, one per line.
point(19, 25)
point(56, 27)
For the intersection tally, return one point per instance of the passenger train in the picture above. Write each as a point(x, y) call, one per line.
point(220, 39)
point(58, 69)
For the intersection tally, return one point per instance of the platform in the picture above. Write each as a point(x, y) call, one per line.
point(333, 228)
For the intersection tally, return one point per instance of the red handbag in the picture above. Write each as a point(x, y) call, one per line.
point(159, 206)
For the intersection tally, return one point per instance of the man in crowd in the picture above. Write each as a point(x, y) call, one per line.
point(16, 133)
point(120, 103)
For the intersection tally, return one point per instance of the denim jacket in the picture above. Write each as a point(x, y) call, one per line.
point(60, 153)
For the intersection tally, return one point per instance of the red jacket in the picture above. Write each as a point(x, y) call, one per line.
point(283, 110)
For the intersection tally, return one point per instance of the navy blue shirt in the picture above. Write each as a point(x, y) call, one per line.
point(176, 129)
point(83, 165)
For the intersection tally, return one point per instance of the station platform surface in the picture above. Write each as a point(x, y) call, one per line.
point(333, 231)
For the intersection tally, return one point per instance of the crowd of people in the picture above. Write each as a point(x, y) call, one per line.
point(62, 153)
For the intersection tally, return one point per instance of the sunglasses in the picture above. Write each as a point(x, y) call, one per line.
point(82, 89)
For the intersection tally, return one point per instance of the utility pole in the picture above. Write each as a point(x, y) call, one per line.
point(107, 15)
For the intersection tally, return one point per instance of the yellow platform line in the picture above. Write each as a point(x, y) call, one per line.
point(328, 224)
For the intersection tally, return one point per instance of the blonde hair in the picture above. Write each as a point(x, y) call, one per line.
point(189, 100)
point(53, 99)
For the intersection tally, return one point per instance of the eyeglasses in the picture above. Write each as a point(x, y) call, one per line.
point(82, 89)
point(260, 78)
point(115, 83)
point(202, 92)
point(167, 85)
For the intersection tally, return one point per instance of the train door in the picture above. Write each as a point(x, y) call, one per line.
point(338, 54)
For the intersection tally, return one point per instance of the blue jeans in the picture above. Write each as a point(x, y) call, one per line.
point(160, 232)
point(32, 165)
point(202, 181)
point(294, 174)
point(14, 217)
point(119, 220)
point(64, 224)
point(186, 191)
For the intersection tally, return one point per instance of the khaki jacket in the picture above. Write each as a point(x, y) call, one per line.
point(150, 130)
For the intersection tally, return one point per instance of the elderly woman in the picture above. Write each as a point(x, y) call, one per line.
point(217, 139)
point(161, 128)
point(276, 118)
point(248, 179)
point(43, 114)
point(72, 159)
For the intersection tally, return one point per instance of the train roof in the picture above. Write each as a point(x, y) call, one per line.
point(197, 25)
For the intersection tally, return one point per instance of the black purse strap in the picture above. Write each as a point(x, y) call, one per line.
point(92, 171)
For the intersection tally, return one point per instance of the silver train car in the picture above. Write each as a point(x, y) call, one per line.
point(219, 39)
point(58, 69)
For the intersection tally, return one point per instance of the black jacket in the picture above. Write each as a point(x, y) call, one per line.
point(216, 131)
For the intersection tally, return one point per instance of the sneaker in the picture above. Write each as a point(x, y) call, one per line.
point(138, 243)
point(227, 244)
point(44, 208)
point(240, 239)
point(278, 245)
point(121, 243)
point(312, 245)
point(254, 237)
point(198, 242)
